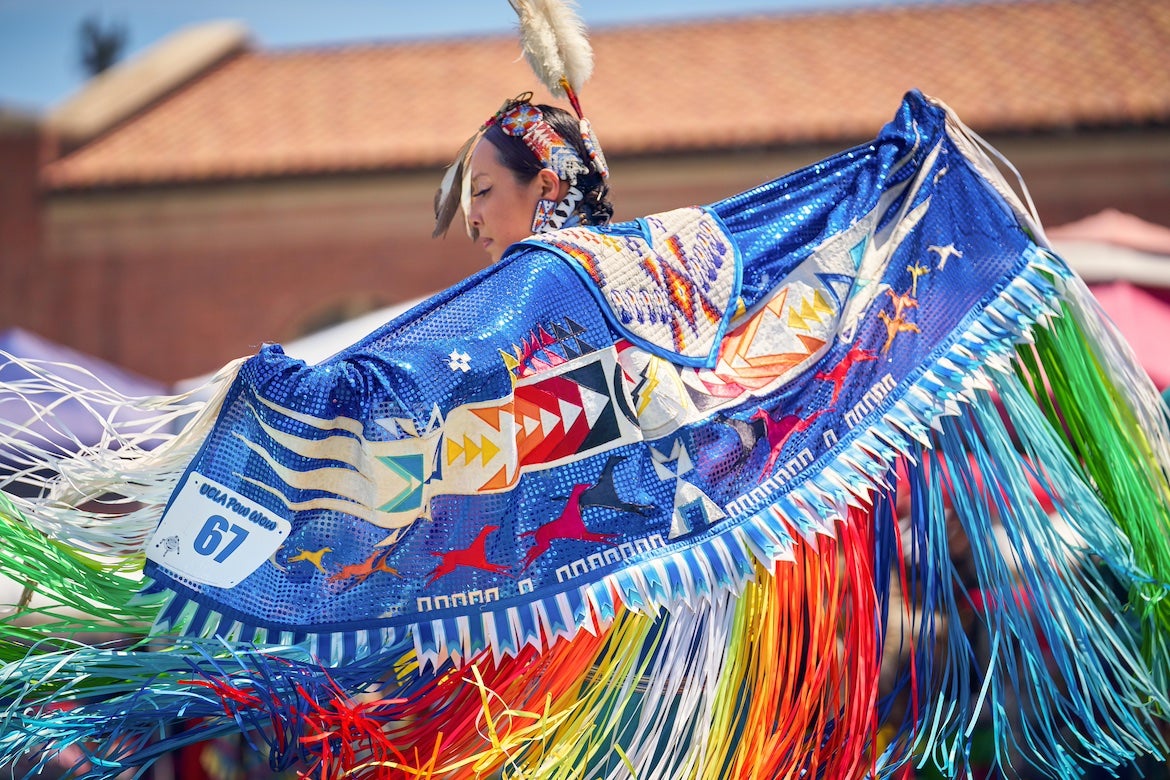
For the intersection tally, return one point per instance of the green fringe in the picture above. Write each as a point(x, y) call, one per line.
point(90, 596)
point(1110, 447)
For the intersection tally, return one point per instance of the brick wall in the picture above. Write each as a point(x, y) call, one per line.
point(1075, 175)
point(20, 222)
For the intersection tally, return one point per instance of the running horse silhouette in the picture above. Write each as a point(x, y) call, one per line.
point(360, 572)
point(838, 373)
point(778, 431)
point(568, 525)
point(473, 555)
point(571, 525)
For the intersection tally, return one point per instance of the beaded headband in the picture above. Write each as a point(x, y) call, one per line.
point(526, 121)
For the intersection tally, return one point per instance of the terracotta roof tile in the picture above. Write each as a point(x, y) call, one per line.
point(837, 76)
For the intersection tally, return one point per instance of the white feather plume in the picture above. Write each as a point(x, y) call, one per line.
point(555, 43)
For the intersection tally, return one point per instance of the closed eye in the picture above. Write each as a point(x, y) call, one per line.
point(482, 192)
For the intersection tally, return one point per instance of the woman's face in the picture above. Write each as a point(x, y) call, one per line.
point(501, 207)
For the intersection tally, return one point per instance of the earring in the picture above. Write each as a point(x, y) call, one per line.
point(542, 218)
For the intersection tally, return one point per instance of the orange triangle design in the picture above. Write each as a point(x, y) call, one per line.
point(499, 481)
point(490, 415)
point(811, 342)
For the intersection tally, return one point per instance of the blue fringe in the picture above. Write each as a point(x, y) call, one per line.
point(1038, 643)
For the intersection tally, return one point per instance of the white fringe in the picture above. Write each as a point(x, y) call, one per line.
point(103, 496)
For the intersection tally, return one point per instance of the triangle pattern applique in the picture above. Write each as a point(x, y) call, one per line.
point(408, 468)
point(569, 412)
point(593, 404)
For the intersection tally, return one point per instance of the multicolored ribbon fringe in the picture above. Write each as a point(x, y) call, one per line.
point(823, 480)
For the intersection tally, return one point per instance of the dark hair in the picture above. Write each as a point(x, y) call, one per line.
point(514, 154)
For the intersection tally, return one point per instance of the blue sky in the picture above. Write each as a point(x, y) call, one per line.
point(39, 51)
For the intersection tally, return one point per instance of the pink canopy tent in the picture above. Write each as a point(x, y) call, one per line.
point(1126, 262)
point(1144, 318)
point(1119, 229)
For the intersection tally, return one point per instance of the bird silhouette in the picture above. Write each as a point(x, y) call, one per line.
point(944, 253)
point(568, 525)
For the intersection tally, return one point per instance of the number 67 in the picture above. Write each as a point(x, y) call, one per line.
point(211, 536)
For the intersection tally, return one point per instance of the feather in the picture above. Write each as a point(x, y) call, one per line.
point(465, 193)
point(555, 44)
point(447, 197)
